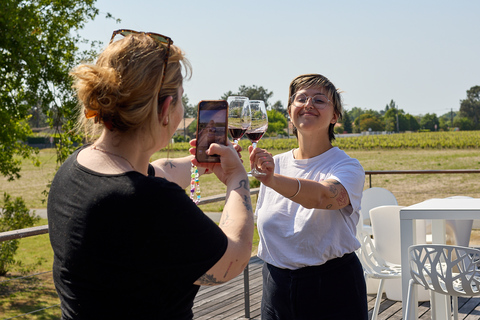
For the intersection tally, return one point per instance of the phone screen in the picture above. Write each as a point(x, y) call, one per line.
point(211, 128)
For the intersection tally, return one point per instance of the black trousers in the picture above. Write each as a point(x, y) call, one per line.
point(334, 290)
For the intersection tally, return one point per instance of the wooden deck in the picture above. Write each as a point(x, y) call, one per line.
point(227, 301)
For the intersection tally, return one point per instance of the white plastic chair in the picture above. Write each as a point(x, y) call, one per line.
point(371, 198)
point(445, 269)
point(374, 267)
point(386, 234)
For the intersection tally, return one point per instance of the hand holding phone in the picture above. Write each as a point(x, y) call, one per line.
point(211, 128)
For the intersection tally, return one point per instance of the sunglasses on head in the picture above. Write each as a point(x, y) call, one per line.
point(155, 36)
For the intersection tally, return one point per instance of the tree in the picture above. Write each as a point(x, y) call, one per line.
point(470, 107)
point(347, 122)
point(355, 113)
point(369, 122)
point(276, 122)
point(38, 48)
point(279, 107)
point(412, 123)
point(429, 122)
point(391, 105)
point(253, 93)
point(396, 120)
point(189, 110)
point(37, 119)
point(13, 216)
point(463, 123)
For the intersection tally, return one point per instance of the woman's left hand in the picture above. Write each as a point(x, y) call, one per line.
point(263, 161)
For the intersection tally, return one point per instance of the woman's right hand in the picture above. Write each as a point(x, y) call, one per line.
point(230, 162)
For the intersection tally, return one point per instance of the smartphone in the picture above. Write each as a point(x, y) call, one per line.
point(212, 127)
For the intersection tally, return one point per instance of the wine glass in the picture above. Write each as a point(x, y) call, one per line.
point(238, 117)
point(258, 127)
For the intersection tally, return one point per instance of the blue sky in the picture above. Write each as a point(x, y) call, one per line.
point(424, 55)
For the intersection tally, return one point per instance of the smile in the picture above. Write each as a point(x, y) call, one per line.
point(311, 114)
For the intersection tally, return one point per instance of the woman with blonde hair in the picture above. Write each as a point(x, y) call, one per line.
point(308, 209)
point(128, 241)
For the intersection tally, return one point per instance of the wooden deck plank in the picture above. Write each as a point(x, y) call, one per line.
point(227, 302)
point(469, 308)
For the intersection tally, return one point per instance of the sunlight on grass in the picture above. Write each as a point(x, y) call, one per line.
point(21, 296)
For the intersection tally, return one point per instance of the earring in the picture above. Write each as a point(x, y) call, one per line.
point(165, 122)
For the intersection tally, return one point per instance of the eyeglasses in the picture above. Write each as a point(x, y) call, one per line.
point(155, 36)
point(319, 101)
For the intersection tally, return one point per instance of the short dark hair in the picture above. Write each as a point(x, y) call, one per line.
point(317, 81)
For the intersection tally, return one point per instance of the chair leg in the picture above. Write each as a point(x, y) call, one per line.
point(378, 299)
point(406, 310)
point(455, 307)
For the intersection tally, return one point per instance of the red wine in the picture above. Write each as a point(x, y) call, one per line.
point(237, 134)
point(255, 136)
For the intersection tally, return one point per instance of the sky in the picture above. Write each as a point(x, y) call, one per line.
point(423, 54)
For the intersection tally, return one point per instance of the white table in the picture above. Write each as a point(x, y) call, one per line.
point(438, 210)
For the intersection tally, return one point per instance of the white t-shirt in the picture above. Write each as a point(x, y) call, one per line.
point(292, 236)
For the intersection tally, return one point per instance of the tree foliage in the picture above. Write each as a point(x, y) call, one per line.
point(38, 48)
point(189, 110)
point(470, 107)
point(392, 119)
point(429, 122)
point(276, 122)
point(369, 122)
point(13, 216)
point(280, 108)
point(347, 122)
point(412, 123)
point(253, 93)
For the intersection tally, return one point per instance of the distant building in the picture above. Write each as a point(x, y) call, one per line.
point(182, 127)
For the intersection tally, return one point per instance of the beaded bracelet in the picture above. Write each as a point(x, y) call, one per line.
point(299, 187)
point(195, 185)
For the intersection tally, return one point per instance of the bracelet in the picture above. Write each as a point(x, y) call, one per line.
point(299, 187)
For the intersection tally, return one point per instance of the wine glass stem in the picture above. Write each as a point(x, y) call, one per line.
point(235, 141)
point(254, 144)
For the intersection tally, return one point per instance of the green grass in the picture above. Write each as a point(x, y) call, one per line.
point(36, 254)
point(32, 293)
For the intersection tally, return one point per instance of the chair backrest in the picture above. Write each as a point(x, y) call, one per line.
point(375, 197)
point(450, 270)
point(373, 264)
point(386, 232)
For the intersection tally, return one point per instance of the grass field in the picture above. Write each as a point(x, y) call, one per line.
point(408, 189)
point(23, 296)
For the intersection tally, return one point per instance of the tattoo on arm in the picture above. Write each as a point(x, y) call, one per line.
point(338, 193)
point(170, 163)
point(342, 198)
point(333, 188)
point(247, 203)
point(225, 219)
point(243, 185)
point(208, 280)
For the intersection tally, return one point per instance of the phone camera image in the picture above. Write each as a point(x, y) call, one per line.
point(211, 128)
